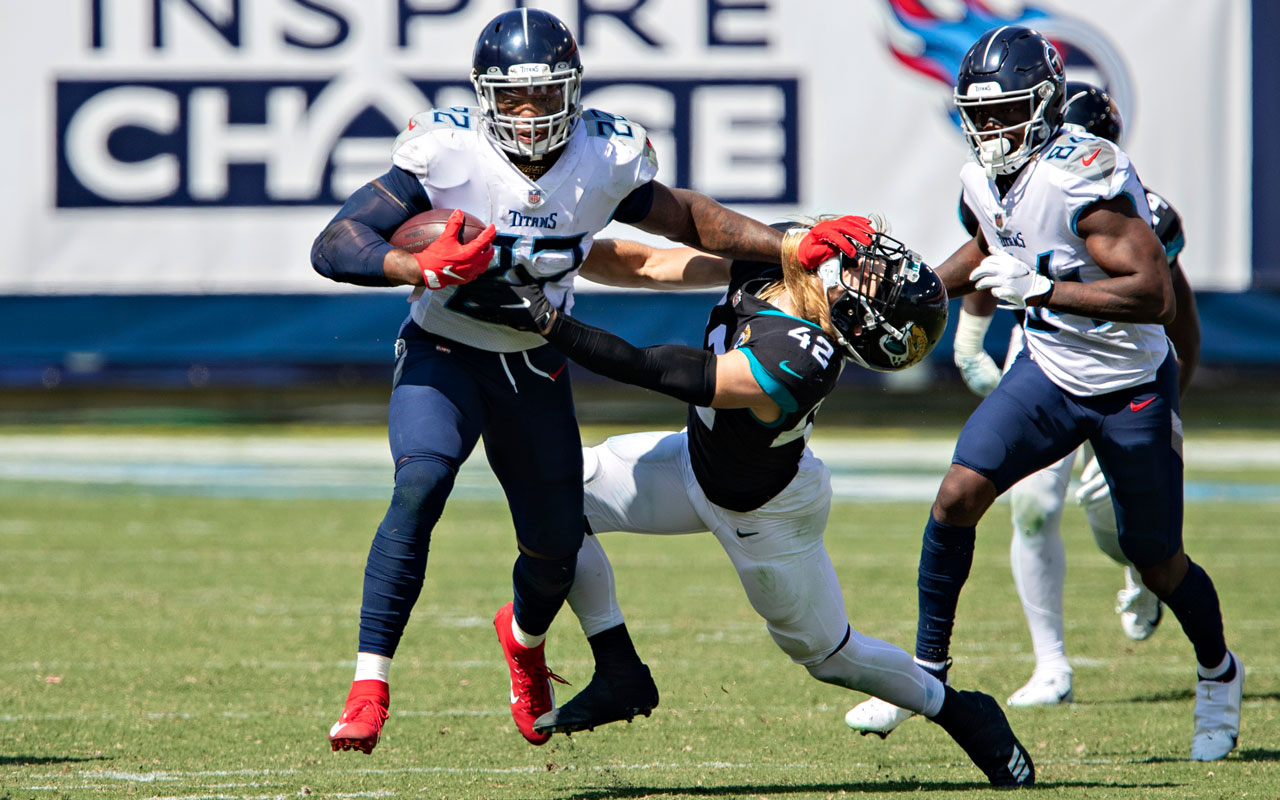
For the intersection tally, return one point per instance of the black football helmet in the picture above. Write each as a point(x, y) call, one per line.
point(1092, 108)
point(1012, 77)
point(531, 51)
point(892, 307)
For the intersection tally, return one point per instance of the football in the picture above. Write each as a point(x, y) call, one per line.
point(422, 229)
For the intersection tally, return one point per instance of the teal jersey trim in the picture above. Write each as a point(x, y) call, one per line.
point(772, 313)
point(772, 387)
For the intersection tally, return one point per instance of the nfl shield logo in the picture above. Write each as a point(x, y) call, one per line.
point(1000, 220)
point(535, 197)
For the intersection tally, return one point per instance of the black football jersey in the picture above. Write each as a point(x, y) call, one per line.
point(739, 461)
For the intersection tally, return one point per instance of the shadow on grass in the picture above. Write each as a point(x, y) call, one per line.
point(1252, 754)
point(1172, 696)
point(765, 790)
point(33, 761)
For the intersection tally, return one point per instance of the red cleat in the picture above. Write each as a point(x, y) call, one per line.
point(361, 722)
point(532, 694)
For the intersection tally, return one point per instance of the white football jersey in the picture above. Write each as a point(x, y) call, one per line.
point(1036, 223)
point(547, 226)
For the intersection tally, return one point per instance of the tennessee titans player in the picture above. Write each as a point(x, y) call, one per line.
point(1036, 553)
point(775, 346)
point(1066, 234)
point(547, 175)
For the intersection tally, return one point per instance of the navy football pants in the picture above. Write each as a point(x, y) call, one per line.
point(446, 397)
point(1028, 423)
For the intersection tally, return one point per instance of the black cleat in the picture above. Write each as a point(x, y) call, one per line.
point(981, 729)
point(607, 698)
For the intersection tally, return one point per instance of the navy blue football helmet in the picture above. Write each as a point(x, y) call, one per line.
point(1092, 108)
point(892, 307)
point(1009, 92)
point(527, 58)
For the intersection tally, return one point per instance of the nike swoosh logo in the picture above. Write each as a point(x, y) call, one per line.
point(514, 697)
point(1092, 156)
point(524, 303)
point(336, 729)
point(556, 374)
point(787, 369)
point(1134, 405)
point(744, 534)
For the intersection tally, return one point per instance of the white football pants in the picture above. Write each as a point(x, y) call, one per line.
point(643, 483)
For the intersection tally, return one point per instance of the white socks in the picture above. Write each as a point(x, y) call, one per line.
point(372, 667)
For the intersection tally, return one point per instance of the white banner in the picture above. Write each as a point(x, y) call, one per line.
point(194, 146)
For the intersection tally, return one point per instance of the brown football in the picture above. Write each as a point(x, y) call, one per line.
point(422, 229)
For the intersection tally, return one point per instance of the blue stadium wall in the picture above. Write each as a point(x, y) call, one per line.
point(280, 339)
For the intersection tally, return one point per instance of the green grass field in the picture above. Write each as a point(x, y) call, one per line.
point(165, 643)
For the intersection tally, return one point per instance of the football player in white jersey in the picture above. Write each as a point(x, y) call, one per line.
point(547, 175)
point(1036, 553)
point(1065, 233)
point(775, 345)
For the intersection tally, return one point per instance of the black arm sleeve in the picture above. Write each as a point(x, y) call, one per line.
point(351, 248)
point(685, 373)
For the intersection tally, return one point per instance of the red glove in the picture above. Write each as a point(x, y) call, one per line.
point(828, 238)
point(447, 261)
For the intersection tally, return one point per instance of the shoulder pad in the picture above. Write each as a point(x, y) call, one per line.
point(428, 134)
point(625, 141)
point(1083, 155)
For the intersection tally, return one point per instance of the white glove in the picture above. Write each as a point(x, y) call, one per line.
point(1093, 484)
point(979, 370)
point(1010, 280)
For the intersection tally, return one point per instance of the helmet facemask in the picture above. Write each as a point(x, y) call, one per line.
point(1023, 112)
point(865, 291)
point(553, 93)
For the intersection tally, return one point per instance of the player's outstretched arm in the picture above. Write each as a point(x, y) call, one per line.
point(620, 262)
point(698, 221)
point(954, 272)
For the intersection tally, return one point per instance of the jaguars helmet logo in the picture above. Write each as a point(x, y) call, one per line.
point(742, 337)
point(905, 350)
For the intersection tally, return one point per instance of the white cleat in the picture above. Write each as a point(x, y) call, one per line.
point(1218, 715)
point(1139, 609)
point(876, 716)
point(1044, 689)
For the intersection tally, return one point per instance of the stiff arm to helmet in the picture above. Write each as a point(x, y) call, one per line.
point(890, 308)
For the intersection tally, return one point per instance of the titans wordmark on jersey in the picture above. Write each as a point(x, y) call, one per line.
point(547, 226)
point(1035, 222)
point(739, 461)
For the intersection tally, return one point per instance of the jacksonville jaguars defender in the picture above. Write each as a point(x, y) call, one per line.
point(742, 470)
point(547, 175)
point(1065, 232)
point(1036, 553)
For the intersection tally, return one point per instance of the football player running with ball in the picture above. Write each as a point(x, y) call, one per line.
point(1036, 553)
point(742, 469)
point(547, 175)
point(1065, 233)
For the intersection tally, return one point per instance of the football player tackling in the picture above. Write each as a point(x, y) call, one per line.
point(548, 175)
point(1065, 232)
point(775, 346)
